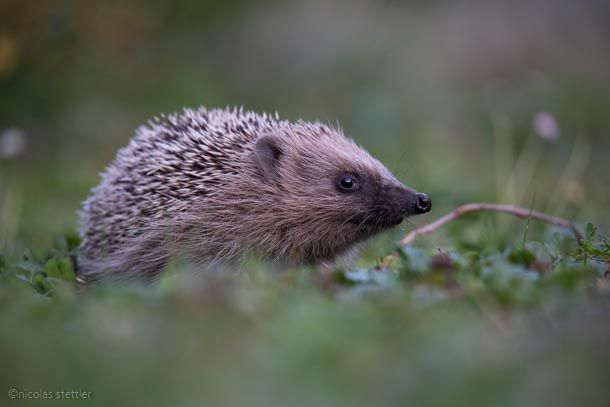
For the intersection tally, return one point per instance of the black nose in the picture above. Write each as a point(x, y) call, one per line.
point(423, 203)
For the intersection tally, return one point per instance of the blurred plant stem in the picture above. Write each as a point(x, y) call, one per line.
point(503, 159)
point(572, 174)
point(504, 163)
point(11, 201)
point(518, 178)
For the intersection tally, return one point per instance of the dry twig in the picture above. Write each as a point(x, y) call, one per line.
point(487, 207)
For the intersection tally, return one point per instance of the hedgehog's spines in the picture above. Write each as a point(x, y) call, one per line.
point(189, 184)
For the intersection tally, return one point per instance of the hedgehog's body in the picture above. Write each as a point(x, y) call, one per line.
point(214, 186)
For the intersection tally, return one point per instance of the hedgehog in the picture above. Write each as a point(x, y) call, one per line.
point(216, 186)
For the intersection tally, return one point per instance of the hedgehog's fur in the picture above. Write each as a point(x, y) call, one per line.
point(213, 186)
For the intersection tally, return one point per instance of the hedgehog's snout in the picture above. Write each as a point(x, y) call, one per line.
point(394, 202)
point(414, 203)
point(423, 203)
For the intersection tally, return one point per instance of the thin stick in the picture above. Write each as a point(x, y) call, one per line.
point(479, 207)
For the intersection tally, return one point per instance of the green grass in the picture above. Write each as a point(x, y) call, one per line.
point(527, 325)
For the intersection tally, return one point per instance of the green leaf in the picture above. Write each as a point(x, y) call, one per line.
point(415, 261)
point(590, 231)
point(73, 240)
point(66, 269)
point(521, 256)
point(41, 284)
point(40, 255)
point(51, 268)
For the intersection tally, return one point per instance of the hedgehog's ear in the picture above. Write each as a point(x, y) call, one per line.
point(267, 154)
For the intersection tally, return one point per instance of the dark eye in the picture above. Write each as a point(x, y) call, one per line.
point(347, 183)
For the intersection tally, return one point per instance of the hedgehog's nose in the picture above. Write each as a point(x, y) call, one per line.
point(423, 203)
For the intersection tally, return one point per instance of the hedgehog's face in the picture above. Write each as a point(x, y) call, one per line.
point(377, 201)
point(334, 193)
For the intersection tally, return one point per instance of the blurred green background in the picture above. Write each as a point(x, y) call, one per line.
point(498, 101)
point(445, 93)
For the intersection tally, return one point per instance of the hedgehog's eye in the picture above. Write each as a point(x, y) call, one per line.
point(347, 183)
